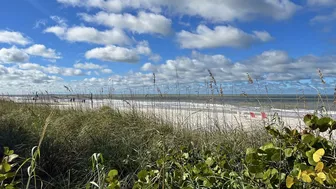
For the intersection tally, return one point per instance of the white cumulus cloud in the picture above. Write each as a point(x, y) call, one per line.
point(106, 71)
point(114, 5)
point(142, 23)
point(90, 35)
point(88, 66)
point(30, 66)
point(13, 55)
point(220, 36)
point(214, 10)
point(52, 69)
point(42, 51)
point(113, 53)
point(12, 37)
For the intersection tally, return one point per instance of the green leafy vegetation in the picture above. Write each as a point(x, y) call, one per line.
point(291, 160)
point(7, 168)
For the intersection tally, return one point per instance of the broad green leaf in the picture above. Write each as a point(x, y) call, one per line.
point(308, 138)
point(310, 120)
point(288, 152)
point(113, 173)
point(319, 167)
point(267, 174)
point(267, 146)
point(305, 177)
point(309, 155)
point(320, 177)
point(209, 161)
point(289, 181)
point(5, 167)
point(276, 156)
point(274, 172)
point(311, 161)
point(318, 155)
point(282, 176)
point(324, 123)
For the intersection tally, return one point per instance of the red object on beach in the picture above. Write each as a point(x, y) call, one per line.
point(252, 114)
point(263, 115)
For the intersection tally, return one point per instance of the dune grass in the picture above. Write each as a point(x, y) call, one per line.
point(128, 141)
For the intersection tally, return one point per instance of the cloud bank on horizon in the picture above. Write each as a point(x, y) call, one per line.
point(90, 45)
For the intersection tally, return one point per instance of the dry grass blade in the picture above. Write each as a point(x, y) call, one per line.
point(67, 88)
point(47, 122)
point(213, 81)
point(250, 80)
point(321, 76)
point(212, 77)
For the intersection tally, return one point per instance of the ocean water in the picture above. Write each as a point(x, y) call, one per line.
point(280, 101)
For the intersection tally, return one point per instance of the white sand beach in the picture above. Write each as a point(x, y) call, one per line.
point(192, 115)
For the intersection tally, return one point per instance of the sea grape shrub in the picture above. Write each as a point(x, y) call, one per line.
point(294, 159)
point(112, 180)
point(7, 171)
point(190, 168)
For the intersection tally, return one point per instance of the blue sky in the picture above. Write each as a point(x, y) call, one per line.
point(90, 45)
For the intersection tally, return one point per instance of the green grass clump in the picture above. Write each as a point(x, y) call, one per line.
point(128, 141)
